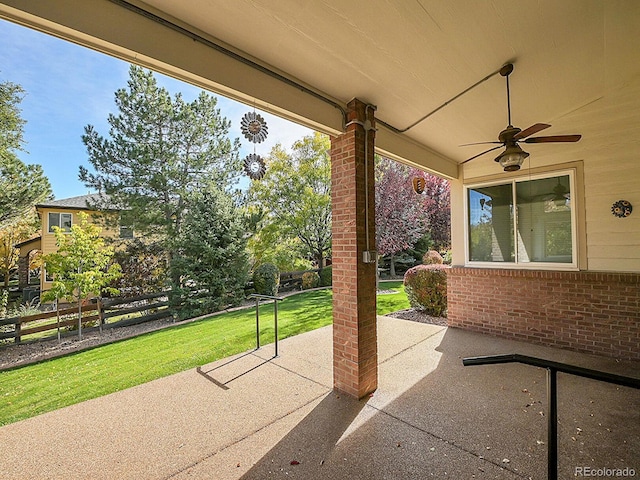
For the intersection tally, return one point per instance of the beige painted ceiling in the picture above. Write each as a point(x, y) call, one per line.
point(408, 57)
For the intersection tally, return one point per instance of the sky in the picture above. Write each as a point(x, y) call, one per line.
point(69, 87)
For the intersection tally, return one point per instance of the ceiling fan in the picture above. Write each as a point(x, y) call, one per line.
point(510, 137)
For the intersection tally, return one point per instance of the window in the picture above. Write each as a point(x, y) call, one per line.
point(62, 220)
point(126, 232)
point(126, 228)
point(525, 222)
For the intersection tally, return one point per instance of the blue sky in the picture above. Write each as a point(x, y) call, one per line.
point(68, 87)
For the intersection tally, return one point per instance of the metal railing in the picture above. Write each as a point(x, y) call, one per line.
point(275, 299)
point(552, 401)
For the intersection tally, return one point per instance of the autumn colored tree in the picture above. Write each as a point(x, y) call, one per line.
point(400, 219)
point(11, 234)
point(402, 216)
point(436, 202)
point(81, 266)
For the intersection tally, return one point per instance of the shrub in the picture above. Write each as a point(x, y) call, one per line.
point(447, 257)
point(426, 288)
point(266, 279)
point(310, 280)
point(326, 276)
point(432, 258)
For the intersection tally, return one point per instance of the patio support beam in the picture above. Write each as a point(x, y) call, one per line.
point(355, 351)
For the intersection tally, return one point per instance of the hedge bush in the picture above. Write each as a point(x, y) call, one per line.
point(310, 280)
point(266, 279)
point(432, 258)
point(426, 288)
point(326, 276)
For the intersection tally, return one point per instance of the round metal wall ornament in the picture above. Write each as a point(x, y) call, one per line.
point(621, 208)
point(254, 166)
point(254, 127)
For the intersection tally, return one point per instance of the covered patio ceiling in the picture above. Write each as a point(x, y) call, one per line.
point(305, 60)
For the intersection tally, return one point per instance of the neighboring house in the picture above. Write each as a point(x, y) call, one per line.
point(61, 213)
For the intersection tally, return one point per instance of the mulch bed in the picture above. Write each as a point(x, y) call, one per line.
point(418, 316)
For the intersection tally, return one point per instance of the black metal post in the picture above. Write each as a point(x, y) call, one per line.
point(275, 323)
point(275, 317)
point(552, 392)
point(257, 323)
point(552, 424)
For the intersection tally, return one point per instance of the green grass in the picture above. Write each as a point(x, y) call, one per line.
point(52, 384)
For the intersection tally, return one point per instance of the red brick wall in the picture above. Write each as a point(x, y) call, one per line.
point(355, 360)
point(590, 312)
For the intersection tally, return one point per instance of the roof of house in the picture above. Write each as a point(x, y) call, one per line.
point(81, 202)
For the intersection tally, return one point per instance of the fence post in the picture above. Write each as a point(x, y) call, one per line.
point(17, 328)
point(100, 315)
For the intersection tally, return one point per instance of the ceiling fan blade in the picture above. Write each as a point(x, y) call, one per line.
point(554, 138)
point(479, 143)
point(480, 154)
point(531, 130)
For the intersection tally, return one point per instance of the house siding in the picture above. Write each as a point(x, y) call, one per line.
point(48, 244)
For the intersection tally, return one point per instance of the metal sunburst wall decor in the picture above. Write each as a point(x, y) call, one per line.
point(254, 128)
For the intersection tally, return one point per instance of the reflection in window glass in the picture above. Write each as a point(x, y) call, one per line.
point(54, 221)
point(491, 224)
point(544, 220)
point(62, 220)
point(525, 221)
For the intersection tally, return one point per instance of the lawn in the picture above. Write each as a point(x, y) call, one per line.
point(49, 385)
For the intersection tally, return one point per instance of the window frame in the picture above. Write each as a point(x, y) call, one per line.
point(515, 264)
point(60, 214)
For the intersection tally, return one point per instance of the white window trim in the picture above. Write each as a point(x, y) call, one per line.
point(573, 266)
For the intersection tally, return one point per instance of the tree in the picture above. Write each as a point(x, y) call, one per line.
point(143, 265)
point(437, 207)
point(296, 195)
point(81, 266)
point(400, 216)
point(159, 150)
point(21, 185)
point(405, 219)
point(10, 234)
point(210, 257)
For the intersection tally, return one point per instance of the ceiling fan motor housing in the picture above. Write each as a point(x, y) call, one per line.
point(506, 135)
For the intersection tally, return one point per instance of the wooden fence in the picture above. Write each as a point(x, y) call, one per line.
point(104, 312)
point(292, 280)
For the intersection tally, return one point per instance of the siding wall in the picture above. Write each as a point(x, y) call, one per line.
point(48, 244)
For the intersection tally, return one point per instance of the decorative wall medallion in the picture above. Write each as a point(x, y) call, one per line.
point(254, 166)
point(621, 208)
point(254, 127)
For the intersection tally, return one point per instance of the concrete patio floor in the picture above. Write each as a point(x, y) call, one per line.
point(254, 417)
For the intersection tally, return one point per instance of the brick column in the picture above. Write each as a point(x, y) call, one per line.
point(355, 349)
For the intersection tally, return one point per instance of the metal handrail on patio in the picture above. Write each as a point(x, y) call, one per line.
point(552, 401)
point(275, 299)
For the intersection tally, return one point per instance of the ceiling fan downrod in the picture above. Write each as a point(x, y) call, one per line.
point(505, 71)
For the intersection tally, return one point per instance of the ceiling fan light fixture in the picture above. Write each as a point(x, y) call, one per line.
point(512, 158)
